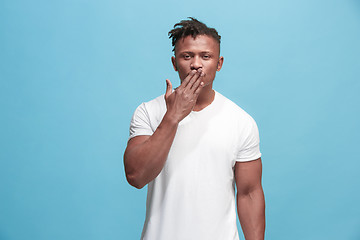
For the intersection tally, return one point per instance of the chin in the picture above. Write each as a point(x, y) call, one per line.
point(206, 84)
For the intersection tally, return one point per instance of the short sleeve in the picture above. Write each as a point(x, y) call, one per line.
point(249, 143)
point(140, 122)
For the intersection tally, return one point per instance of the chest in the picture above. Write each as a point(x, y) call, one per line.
point(203, 148)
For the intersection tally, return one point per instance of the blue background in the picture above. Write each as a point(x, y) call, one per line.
point(73, 72)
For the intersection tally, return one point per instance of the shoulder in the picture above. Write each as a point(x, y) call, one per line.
point(153, 110)
point(156, 102)
point(154, 106)
point(147, 117)
point(233, 110)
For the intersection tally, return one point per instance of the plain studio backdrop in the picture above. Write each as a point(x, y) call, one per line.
point(72, 73)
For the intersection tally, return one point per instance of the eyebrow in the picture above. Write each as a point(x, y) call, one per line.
point(190, 52)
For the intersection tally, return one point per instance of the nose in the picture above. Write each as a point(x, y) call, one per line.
point(196, 63)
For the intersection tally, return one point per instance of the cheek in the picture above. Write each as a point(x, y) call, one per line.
point(182, 72)
point(211, 69)
point(183, 69)
point(183, 65)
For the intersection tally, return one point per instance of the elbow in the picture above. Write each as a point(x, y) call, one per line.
point(133, 176)
point(134, 181)
point(250, 192)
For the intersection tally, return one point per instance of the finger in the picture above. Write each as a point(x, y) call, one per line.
point(168, 88)
point(198, 90)
point(187, 79)
point(196, 84)
point(195, 78)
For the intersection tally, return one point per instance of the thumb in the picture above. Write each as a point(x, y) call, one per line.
point(168, 88)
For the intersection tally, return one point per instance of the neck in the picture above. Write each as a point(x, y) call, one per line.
point(205, 98)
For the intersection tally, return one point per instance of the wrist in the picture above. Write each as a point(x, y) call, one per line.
point(171, 118)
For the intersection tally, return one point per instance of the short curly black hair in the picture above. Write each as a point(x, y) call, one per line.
point(191, 27)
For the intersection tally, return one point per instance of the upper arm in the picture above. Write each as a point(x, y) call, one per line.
point(248, 176)
point(140, 128)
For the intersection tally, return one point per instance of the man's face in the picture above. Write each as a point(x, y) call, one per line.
point(199, 53)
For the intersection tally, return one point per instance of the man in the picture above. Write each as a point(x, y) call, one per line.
point(191, 146)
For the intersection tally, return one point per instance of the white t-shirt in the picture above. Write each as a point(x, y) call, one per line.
point(193, 197)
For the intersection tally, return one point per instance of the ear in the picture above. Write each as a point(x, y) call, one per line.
point(173, 60)
point(220, 63)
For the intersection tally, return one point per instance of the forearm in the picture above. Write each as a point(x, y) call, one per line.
point(251, 211)
point(145, 161)
point(145, 157)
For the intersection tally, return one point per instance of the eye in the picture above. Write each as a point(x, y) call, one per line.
point(186, 56)
point(206, 56)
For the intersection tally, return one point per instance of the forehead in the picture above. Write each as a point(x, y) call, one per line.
point(201, 43)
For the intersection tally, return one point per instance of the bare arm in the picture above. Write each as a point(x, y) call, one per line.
point(145, 156)
point(250, 199)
